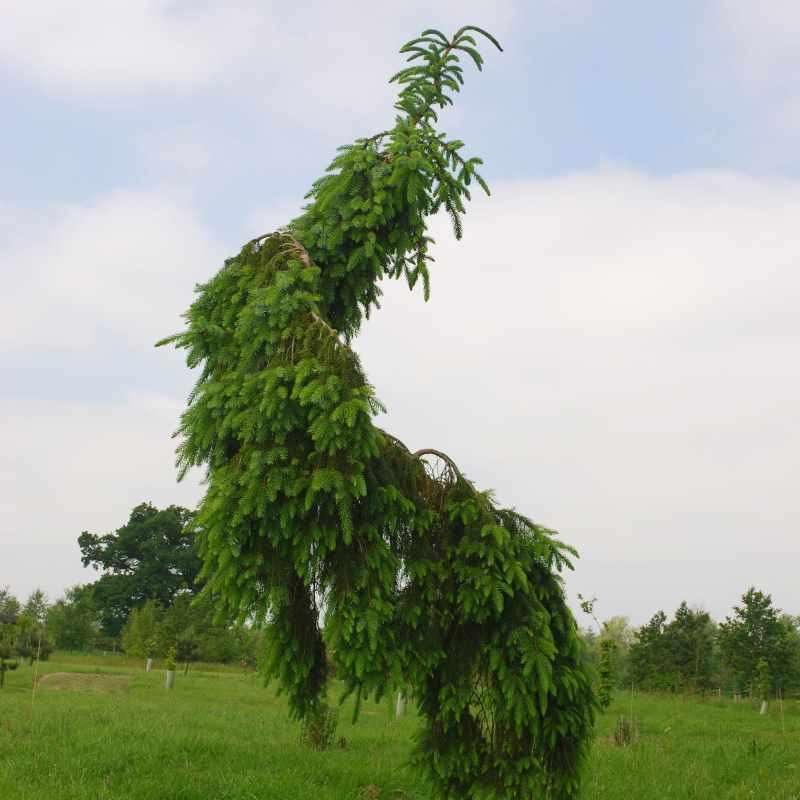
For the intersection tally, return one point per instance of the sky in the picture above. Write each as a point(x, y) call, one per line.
point(612, 347)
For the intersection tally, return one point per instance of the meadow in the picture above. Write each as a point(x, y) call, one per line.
point(104, 728)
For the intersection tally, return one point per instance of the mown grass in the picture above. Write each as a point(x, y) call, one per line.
point(221, 734)
point(216, 735)
point(688, 747)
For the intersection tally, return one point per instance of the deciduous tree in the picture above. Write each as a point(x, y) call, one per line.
point(151, 557)
point(36, 606)
point(141, 634)
point(33, 639)
point(73, 620)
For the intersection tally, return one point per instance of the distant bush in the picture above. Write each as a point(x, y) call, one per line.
point(319, 727)
point(625, 732)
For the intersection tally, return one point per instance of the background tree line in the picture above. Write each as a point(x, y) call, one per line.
point(148, 599)
point(145, 601)
point(755, 651)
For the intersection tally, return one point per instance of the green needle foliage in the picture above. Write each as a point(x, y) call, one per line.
point(351, 549)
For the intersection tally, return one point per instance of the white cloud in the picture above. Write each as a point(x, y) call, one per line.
point(750, 50)
point(299, 59)
point(616, 355)
point(120, 270)
point(264, 219)
point(764, 35)
point(117, 45)
point(175, 156)
point(68, 467)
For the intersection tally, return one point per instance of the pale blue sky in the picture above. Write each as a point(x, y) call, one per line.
point(647, 182)
point(655, 86)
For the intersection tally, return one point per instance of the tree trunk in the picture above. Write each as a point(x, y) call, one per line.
point(764, 707)
point(149, 665)
point(400, 707)
point(170, 679)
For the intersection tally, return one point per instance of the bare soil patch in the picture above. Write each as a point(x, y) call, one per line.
point(85, 682)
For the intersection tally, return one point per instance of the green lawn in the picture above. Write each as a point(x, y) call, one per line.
point(108, 731)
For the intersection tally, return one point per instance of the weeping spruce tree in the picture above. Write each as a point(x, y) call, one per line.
point(313, 513)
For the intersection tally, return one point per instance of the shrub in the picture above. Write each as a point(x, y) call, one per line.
point(319, 727)
point(625, 732)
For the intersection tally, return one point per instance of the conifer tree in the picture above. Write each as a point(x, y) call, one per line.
point(151, 557)
point(312, 511)
point(754, 632)
point(73, 619)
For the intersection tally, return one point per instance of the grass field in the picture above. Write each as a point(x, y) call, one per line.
point(103, 728)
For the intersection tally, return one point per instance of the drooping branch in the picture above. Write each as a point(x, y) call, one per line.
point(296, 249)
point(258, 239)
point(426, 451)
point(430, 451)
point(293, 247)
point(395, 440)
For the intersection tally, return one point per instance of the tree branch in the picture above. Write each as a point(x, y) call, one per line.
point(429, 451)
